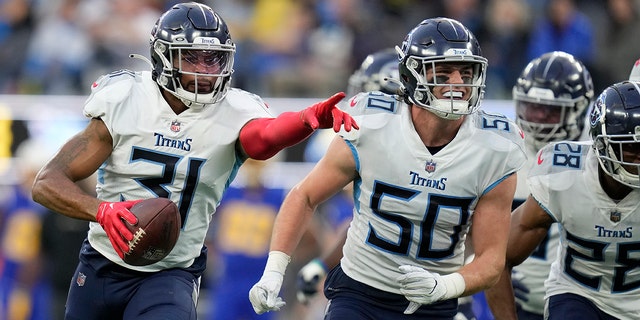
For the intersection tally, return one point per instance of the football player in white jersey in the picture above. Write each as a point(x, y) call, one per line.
point(592, 190)
point(178, 132)
point(426, 169)
point(552, 96)
point(377, 72)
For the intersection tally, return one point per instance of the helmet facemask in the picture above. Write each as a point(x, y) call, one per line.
point(545, 118)
point(210, 64)
point(615, 132)
point(192, 54)
point(612, 157)
point(450, 107)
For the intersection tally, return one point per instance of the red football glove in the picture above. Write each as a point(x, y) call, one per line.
point(325, 115)
point(111, 216)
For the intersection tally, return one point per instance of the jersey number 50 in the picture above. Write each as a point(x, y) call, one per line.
point(427, 226)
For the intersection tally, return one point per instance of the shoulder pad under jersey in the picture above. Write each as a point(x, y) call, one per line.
point(502, 131)
point(560, 159)
point(115, 86)
point(371, 103)
point(244, 99)
point(371, 110)
point(504, 126)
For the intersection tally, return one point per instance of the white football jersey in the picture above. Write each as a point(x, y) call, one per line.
point(599, 243)
point(412, 207)
point(190, 158)
point(533, 272)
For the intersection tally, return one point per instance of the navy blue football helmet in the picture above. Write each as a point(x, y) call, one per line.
point(378, 72)
point(191, 32)
point(615, 131)
point(434, 41)
point(552, 96)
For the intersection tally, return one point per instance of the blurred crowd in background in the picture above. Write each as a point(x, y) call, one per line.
point(306, 48)
point(285, 48)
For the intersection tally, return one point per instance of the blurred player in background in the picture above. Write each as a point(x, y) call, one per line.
point(178, 131)
point(592, 191)
point(552, 96)
point(25, 290)
point(240, 235)
point(426, 170)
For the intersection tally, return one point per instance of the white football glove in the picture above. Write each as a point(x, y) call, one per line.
point(308, 278)
point(420, 286)
point(264, 294)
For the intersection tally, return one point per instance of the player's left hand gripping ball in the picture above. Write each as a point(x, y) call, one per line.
point(112, 216)
point(326, 114)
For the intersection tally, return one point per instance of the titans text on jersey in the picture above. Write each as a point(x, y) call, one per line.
point(173, 143)
point(417, 180)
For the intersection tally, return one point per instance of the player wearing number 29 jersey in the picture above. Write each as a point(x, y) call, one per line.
point(178, 150)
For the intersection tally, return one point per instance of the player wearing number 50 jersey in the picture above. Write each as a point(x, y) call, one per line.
point(178, 132)
point(592, 190)
point(426, 170)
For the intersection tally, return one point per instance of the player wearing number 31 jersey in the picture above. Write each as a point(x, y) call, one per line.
point(179, 132)
point(176, 148)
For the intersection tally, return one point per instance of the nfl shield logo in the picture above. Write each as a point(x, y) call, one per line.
point(175, 126)
point(81, 279)
point(615, 216)
point(430, 167)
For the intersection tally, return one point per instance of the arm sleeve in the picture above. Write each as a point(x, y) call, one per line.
point(262, 138)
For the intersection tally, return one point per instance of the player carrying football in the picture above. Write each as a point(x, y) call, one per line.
point(178, 132)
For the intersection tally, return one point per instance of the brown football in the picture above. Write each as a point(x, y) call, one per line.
point(156, 232)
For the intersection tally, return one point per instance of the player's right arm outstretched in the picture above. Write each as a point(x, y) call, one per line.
point(262, 138)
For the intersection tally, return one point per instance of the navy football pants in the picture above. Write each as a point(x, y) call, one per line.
point(353, 300)
point(101, 289)
point(568, 306)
